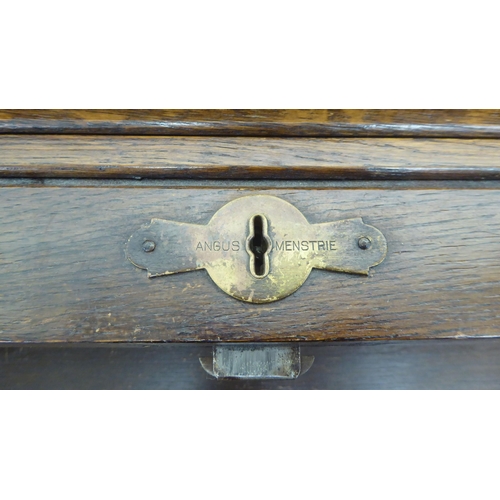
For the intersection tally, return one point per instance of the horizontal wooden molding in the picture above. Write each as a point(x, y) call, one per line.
point(270, 123)
point(247, 158)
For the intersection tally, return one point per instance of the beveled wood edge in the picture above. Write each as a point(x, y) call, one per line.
point(246, 158)
point(250, 173)
point(209, 343)
point(264, 123)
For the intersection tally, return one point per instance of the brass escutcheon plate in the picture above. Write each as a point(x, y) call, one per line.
point(257, 248)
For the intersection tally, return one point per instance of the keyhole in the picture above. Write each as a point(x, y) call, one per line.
point(258, 245)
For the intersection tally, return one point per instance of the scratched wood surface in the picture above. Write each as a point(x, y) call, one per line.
point(64, 275)
point(103, 156)
point(254, 122)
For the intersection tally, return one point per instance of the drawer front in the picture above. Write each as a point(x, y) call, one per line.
point(65, 276)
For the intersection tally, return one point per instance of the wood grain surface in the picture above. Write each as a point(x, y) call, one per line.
point(268, 122)
point(65, 278)
point(247, 158)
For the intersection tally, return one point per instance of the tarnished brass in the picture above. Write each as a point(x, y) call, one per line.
point(257, 248)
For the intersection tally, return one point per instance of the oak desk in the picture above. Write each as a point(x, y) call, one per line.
point(75, 185)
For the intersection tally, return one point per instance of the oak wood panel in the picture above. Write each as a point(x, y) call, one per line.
point(255, 122)
point(65, 278)
point(423, 364)
point(247, 158)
